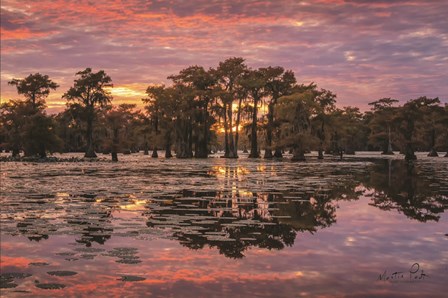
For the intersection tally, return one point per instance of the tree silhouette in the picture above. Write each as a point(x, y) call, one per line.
point(381, 124)
point(409, 117)
point(279, 83)
point(229, 74)
point(207, 109)
point(35, 87)
point(294, 113)
point(89, 91)
point(27, 125)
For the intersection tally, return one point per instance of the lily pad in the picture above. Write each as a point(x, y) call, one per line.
point(89, 249)
point(38, 264)
point(128, 261)
point(7, 285)
point(12, 275)
point(62, 273)
point(68, 253)
point(51, 286)
point(131, 278)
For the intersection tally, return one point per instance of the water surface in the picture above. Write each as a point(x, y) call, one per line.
point(365, 226)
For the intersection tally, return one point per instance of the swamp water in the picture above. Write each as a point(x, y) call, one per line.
point(365, 226)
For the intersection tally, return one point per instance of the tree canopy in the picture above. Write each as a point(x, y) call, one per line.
point(231, 107)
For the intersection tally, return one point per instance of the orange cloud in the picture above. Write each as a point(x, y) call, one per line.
point(23, 33)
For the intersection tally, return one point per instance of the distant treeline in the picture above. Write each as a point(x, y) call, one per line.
point(231, 107)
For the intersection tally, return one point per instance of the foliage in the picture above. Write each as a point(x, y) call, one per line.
point(294, 115)
point(207, 109)
point(24, 124)
point(89, 92)
point(35, 88)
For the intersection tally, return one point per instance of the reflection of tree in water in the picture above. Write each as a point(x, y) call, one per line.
point(94, 220)
point(31, 227)
point(233, 223)
point(89, 221)
point(32, 217)
point(397, 185)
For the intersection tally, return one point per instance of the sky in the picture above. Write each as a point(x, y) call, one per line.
point(361, 50)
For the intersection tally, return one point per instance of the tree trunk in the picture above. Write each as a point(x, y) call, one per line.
point(114, 156)
point(184, 142)
point(388, 146)
point(321, 135)
point(320, 152)
point(409, 153)
point(146, 147)
point(154, 152)
point(168, 153)
point(432, 151)
point(409, 150)
point(446, 155)
point(42, 151)
point(232, 150)
point(202, 143)
point(189, 139)
point(335, 144)
point(168, 144)
point(298, 154)
point(238, 120)
point(205, 149)
point(226, 134)
point(349, 150)
point(278, 153)
point(15, 152)
point(90, 152)
point(268, 154)
point(253, 137)
point(115, 141)
point(268, 151)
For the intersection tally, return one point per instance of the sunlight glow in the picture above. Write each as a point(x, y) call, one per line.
point(135, 205)
point(125, 92)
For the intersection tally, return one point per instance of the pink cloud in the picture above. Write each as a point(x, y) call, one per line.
point(362, 50)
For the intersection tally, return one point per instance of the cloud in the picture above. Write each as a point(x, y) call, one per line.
point(361, 50)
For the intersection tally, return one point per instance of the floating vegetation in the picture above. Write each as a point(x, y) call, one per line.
point(89, 249)
point(38, 264)
point(131, 278)
point(66, 253)
point(88, 256)
point(128, 261)
point(125, 255)
point(7, 279)
point(7, 284)
point(50, 286)
point(62, 273)
point(232, 211)
point(14, 275)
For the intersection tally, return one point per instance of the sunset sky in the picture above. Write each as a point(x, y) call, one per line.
point(361, 50)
